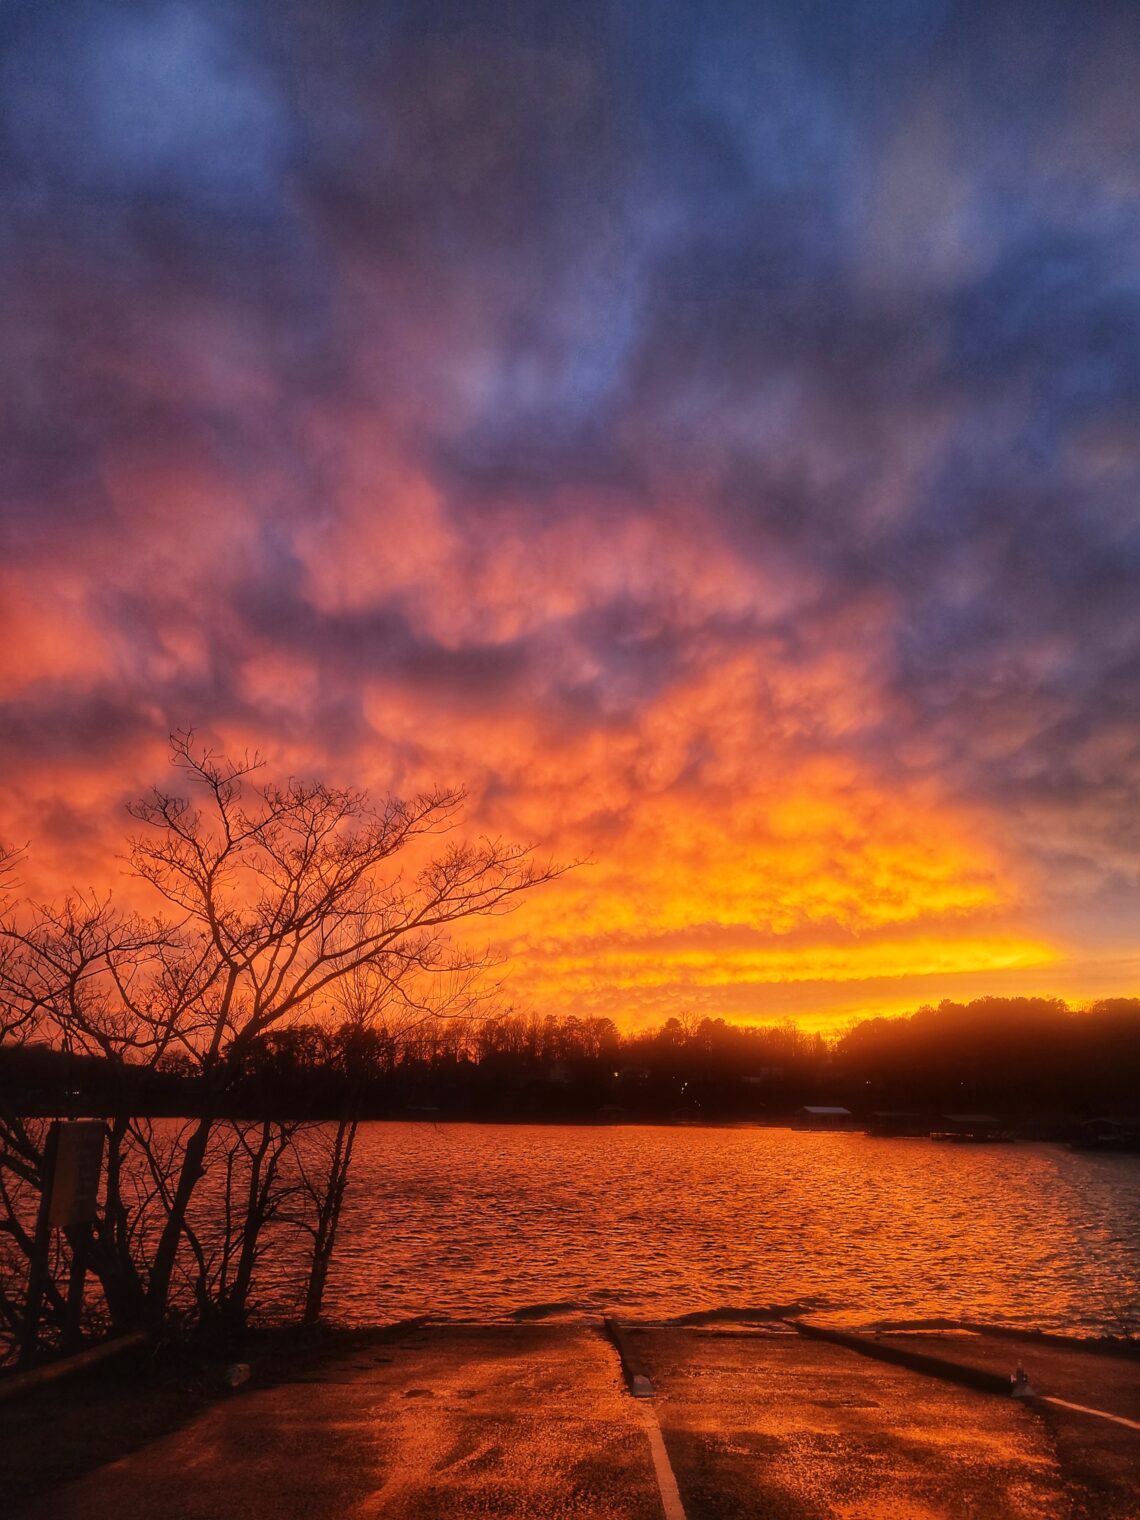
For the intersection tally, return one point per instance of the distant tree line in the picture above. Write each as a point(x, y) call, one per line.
point(1023, 1057)
point(1019, 1055)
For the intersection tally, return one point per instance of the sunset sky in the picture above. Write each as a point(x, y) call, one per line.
point(707, 432)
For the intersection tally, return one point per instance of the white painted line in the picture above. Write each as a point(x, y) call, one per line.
point(1101, 1414)
point(666, 1482)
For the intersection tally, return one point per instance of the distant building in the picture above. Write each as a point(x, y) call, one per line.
point(818, 1116)
point(1109, 1135)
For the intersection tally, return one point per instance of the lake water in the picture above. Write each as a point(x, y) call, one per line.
point(487, 1220)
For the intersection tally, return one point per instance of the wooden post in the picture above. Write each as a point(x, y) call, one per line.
point(38, 1268)
point(73, 1160)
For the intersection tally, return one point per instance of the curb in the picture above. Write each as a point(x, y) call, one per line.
point(51, 1372)
point(637, 1379)
point(915, 1361)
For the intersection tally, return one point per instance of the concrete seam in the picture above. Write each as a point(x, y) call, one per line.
point(639, 1384)
point(662, 1467)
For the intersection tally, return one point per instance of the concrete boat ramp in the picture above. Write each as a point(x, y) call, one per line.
point(574, 1418)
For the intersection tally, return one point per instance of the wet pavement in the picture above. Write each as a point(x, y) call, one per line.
point(772, 1425)
point(443, 1422)
point(534, 1421)
point(1100, 1457)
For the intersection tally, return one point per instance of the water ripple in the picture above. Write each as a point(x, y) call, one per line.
point(485, 1220)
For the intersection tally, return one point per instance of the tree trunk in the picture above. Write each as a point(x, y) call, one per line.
point(255, 1207)
point(110, 1249)
point(158, 1290)
point(328, 1218)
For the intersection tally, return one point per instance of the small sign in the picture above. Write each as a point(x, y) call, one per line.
point(78, 1162)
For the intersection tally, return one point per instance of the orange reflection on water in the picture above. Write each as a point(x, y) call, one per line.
point(484, 1220)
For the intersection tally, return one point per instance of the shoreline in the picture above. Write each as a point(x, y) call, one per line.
point(1016, 1129)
